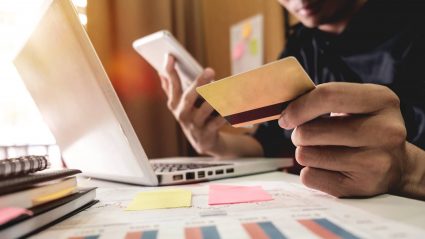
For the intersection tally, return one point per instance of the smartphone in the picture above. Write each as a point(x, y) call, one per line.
point(155, 48)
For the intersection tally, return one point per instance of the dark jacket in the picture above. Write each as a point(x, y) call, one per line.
point(384, 44)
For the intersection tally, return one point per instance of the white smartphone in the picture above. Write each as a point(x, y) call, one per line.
point(155, 48)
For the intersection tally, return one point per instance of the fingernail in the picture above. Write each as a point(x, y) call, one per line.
point(209, 73)
point(283, 123)
point(166, 61)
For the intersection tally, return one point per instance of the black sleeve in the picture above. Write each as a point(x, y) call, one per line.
point(411, 88)
point(276, 142)
point(414, 118)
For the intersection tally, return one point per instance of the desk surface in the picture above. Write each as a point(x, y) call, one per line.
point(400, 209)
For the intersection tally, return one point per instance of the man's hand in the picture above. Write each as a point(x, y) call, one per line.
point(199, 127)
point(351, 138)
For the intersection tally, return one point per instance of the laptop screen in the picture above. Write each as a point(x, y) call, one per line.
point(64, 76)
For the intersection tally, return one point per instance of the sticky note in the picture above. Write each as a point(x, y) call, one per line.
point(225, 194)
point(53, 196)
point(238, 51)
point(253, 47)
point(9, 213)
point(171, 198)
point(247, 30)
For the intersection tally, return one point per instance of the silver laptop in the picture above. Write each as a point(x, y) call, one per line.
point(63, 74)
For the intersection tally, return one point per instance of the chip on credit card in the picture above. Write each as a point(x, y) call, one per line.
point(257, 95)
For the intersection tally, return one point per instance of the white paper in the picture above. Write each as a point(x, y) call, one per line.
point(292, 202)
point(246, 44)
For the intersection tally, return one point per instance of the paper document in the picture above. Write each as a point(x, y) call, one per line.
point(294, 212)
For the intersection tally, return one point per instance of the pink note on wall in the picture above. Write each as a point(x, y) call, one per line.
point(238, 51)
point(225, 194)
point(9, 213)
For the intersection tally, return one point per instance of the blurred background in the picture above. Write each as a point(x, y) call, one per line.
point(202, 26)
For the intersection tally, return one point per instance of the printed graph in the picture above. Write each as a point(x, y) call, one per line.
point(85, 237)
point(142, 234)
point(204, 232)
point(263, 230)
point(324, 228)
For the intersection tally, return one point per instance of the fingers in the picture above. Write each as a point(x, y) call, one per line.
point(330, 182)
point(348, 98)
point(356, 148)
point(331, 158)
point(187, 103)
point(190, 96)
point(186, 111)
point(215, 124)
point(343, 171)
point(174, 89)
point(181, 103)
point(164, 83)
point(352, 131)
point(206, 77)
point(342, 184)
point(202, 114)
point(335, 158)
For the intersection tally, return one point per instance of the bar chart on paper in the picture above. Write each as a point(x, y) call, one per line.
point(86, 237)
point(263, 230)
point(324, 228)
point(141, 235)
point(294, 212)
point(204, 232)
point(266, 229)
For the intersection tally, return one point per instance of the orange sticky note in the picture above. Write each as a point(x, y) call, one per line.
point(225, 194)
point(247, 30)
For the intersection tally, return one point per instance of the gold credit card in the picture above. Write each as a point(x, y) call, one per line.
point(257, 95)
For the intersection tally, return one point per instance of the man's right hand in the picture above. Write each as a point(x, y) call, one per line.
point(361, 150)
point(200, 128)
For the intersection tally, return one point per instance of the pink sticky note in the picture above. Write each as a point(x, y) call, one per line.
point(238, 51)
point(224, 194)
point(9, 213)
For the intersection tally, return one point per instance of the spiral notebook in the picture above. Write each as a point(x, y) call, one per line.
point(22, 165)
point(24, 182)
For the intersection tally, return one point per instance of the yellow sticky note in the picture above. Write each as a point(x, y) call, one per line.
point(170, 198)
point(53, 196)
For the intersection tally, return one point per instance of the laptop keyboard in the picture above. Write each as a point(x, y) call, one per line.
point(173, 167)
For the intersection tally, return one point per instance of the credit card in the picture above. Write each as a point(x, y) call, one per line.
point(257, 95)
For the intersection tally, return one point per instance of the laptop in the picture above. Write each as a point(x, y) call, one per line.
point(66, 80)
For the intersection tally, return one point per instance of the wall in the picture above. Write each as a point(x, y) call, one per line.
point(113, 26)
point(202, 26)
point(219, 15)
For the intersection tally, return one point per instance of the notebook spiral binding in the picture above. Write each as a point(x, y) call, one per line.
point(22, 165)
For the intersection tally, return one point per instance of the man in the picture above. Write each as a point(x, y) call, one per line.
point(364, 148)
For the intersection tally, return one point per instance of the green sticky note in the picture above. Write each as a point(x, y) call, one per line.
point(170, 198)
point(253, 47)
